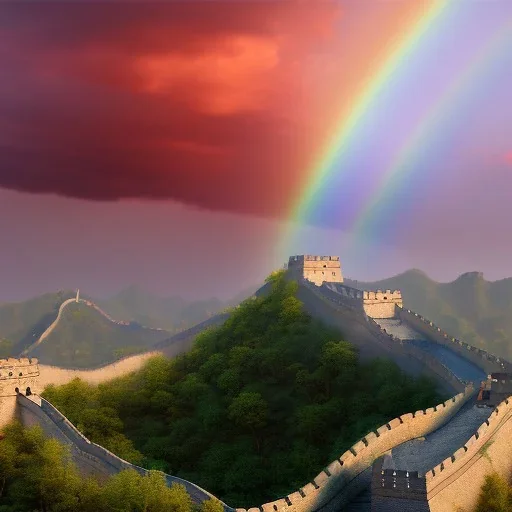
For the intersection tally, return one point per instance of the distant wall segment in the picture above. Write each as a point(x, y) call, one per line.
point(382, 304)
point(483, 359)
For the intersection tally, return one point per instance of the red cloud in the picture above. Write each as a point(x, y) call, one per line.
point(508, 158)
point(222, 105)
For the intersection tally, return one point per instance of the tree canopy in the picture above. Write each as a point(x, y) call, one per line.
point(37, 475)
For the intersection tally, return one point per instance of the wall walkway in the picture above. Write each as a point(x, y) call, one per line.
point(348, 476)
point(89, 457)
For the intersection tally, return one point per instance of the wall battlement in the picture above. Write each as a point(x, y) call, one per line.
point(17, 376)
point(347, 476)
point(485, 360)
point(317, 269)
point(382, 304)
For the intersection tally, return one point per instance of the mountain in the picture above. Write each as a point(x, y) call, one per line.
point(173, 314)
point(84, 338)
point(470, 308)
point(21, 323)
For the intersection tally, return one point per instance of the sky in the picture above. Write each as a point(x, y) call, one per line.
point(190, 147)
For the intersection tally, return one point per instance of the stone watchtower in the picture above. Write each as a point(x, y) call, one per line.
point(317, 269)
point(16, 376)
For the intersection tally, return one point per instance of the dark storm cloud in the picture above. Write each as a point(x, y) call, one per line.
point(188, 101)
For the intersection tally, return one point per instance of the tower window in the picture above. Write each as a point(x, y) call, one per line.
point(334, 273)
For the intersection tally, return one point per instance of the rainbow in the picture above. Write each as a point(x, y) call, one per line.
point(426, 129)
point(339, 143)
point(335, 152)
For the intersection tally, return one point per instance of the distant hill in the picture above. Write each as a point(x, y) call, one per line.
point(173, 314)
point(84, 338)
point(21, 323)
point(470, 308)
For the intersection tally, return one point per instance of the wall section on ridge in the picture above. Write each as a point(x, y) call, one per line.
point(16, 376)
point(402, 353)
point(347, 476)
point(90, 458)
point(457, 481)
point(382, 304)
point(58, 376)
point(483, 359)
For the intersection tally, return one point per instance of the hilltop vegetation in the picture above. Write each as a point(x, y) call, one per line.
point(84, 338)
point(470, 308)
point(37, 475)
point(255, 409)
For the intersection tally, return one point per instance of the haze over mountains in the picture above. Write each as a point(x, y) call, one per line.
point(470, 308)
point(84, 337)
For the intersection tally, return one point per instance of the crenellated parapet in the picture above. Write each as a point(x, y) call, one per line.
point(347, 476)
point(483, 359)
point(382, 304)
point(316, 269)
point(17, 376)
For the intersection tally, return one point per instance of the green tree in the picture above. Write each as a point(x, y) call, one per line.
point(250, 411)
point(495, 495)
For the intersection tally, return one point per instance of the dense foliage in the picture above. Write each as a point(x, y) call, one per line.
point(496, 495)
point(37, 475)
point(469, 308)
point(255, 409)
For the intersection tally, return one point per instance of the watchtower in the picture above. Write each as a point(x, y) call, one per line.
point(317, 269)
point(16, 376)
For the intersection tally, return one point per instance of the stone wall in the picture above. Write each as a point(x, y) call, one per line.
point(59, 376)
point(398, 351)
point(456, 482)
point(481, 358)
point(316, 269)
point(89, 457)
point(395, 490)
point(16, 376)
point(382, 304)
point(436, 368)
point(347, 476)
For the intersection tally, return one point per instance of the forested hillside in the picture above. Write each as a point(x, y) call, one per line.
point(470, 308)
point(255, 410)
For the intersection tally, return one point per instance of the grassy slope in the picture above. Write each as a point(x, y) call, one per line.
point(470, 308)
point(21, 323)
point(85, 338)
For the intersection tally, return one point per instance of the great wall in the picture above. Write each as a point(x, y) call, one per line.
point(58, 318)
point(434, 459)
